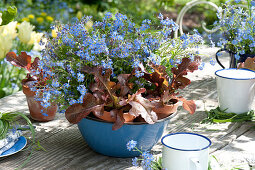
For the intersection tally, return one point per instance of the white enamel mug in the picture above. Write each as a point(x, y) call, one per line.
point(185, 151)
point(235, 89)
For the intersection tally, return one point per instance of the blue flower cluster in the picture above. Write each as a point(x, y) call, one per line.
point(146, 159)
point(114, 43)
point(131, 145)
point(171, 52)
point(237, 26)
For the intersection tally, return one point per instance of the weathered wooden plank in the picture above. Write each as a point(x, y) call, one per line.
point(236, 153)
point(14, 102)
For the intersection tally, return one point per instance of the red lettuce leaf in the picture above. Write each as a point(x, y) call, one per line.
point(119, 119)
point(23, 60)
point(159, 78)
point(103, 84)
point(249, 63)
point(188, 105)
point(77, 112)
point(123, 84)
point(178, 80)
point(142, 106)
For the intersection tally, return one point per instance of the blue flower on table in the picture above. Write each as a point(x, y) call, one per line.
point(147, 160)
point(131, 145)
point(135, 161)
point(219, 54)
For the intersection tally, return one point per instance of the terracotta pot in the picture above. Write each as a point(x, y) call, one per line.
point(107, 117)
point(167, 110)
point(35, 107)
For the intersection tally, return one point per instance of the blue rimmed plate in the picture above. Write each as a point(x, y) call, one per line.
point(19, 145)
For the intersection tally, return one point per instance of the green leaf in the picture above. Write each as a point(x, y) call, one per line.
point(157, 164)
point(4, 126)
point(29, 124)
point(2, 93)
point(219, 116)
point(9, 15)
point(39, 146)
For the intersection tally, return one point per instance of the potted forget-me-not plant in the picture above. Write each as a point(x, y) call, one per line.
point(120, 72)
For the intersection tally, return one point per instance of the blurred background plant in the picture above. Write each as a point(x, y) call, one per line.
point(236, 23)
point(42, 14)
point(17, 37)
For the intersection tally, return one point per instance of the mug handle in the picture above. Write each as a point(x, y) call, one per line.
point(216, 56)
point(194, 162)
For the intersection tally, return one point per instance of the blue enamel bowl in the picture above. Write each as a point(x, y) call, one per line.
point(102, 139)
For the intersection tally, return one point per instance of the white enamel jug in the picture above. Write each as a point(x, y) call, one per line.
point(235, 88)
point(185, 151)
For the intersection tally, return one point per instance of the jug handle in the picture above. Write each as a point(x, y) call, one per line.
point(216, 56)
point(195, 163)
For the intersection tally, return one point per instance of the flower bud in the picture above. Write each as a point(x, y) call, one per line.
point(35, 38)
point(79, 15)
point(9, 29)
point(25, 30)
point(54, 33)
point(5, 45)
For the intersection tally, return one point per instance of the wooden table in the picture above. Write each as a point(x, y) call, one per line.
point(232, 143)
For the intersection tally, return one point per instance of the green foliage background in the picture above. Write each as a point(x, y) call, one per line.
point(138, 10)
